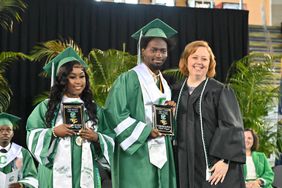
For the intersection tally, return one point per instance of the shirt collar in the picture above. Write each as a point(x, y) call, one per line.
point(7, 147)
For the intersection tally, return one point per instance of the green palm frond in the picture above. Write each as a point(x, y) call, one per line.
point(6, 57)
point(174, 73)
point(48, 50)
point(41, 97)
point(10, 12)
point(5, 92)
point(252, 78)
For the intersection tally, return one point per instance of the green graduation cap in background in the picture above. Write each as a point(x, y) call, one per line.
point(156, 28)
point(68, 55)
point(8, 119)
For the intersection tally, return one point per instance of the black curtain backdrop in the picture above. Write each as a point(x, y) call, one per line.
point(108, 25)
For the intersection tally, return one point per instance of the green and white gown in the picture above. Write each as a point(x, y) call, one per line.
point(62, 162)
point(19, 158)
point(129, 114)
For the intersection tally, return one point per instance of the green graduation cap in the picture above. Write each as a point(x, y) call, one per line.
point(156, 28)
point(68, 55)
point(8, 119)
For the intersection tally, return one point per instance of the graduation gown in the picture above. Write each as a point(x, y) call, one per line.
point(27, 169)
point(44, 147)
point(223, 135)
point(131, 165)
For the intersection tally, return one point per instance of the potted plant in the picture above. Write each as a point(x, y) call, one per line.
point(252, 79)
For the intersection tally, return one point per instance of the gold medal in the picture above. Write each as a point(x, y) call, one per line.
point(78, 141)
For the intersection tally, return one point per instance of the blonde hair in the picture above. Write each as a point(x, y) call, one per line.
point(192, 48)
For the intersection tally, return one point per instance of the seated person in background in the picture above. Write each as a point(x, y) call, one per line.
point(257, 171)
point(14, 157)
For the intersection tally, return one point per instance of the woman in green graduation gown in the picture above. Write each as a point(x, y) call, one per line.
point(210, 139)
point(68, 157)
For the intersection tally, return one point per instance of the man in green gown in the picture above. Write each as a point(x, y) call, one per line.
point(143, 157)
point(14, 158)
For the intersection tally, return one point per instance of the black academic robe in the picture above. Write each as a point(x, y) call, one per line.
point(223, 135)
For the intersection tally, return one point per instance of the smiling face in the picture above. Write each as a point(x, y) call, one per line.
point(6, 135)
point(76, 82)
point(198, 63)
point(155, 54)
point(249, 140)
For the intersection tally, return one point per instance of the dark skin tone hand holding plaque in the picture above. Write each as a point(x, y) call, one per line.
point(162, 119)
point(73, 115)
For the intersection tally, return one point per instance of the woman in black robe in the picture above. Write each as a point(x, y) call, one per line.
point(210, 150)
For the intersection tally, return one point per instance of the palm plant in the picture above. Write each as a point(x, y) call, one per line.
point(252, 80)
point(5, 91)
point(10, 12)
point(103, 66)
point(175, 74)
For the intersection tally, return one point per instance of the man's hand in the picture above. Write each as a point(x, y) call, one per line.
point(219, 171)
point(63, 130)
point(155, 133)
point(170, 103)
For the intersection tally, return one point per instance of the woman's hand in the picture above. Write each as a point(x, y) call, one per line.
point(89, 134)
point(63, 130)
point(219, 171)
point(253, 184)
point(155, 133)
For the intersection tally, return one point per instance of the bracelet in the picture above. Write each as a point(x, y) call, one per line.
point(53, 132)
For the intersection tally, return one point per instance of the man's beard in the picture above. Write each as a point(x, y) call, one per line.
point(156, 67)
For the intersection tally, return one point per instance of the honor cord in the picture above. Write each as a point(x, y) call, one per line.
point(202, 131)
